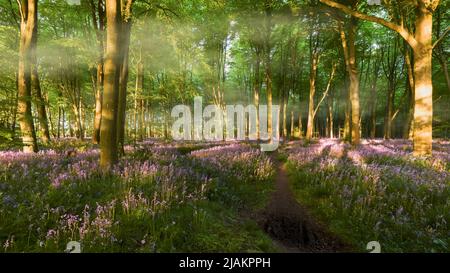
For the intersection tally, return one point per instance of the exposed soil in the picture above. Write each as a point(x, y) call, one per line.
point(290, 225)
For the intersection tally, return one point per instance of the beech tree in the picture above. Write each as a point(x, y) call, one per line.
point(28, 32)
point(420, 41)
point(114, 61)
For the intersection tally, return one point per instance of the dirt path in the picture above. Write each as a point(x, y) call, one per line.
point(290, 225)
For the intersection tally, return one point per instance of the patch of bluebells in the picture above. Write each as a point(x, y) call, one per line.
point(382, 190)
point(54, 196)
point(239, 161)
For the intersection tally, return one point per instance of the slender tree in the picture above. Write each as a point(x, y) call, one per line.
point(123, 78)
point(37, 93)
point(267, 64)
point(314, 62)
point(98, 21)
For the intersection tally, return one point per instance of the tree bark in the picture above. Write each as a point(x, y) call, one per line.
point(330, 117)
point(257, 86)
point(291, 134)
point(40, 106)
point(108, 127)
point(354, 85)
point(300, 126)
point(268, 69)
point(36, 87)
point(58, 130)
point(139, 100)
point(125, 42)
point(347, 122)
point(98, 103)
point(373, 99)
point(63, 122)
point(389, 112)
point(408, 127)
point(98, 23)
point(423, 87)
point(28, 26)
point(312, 90)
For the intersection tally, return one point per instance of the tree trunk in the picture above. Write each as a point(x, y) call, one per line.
point(444, 67)
point(40, 103)
point(349, 48)
point(354, 84)
point(373, 100)
point(98, 104)
point(70, 120)
point(63, 122)
point(149, 117)
point(268, 68)
point(139, 99)
point(291, 134)
point(389, 111)
point(347, 118)
point(77, 125)
point(300, 127)
point(40, 106)
point(269, 97)
point(108, 127)
point(14, 117)
point(284, 105)
point(50, 120)
point(98, 23)
point(125, 42)
point(82, 120)
point(347, 123)
point(59, 123)
point(330, 117)
point(312, 91)
point(142, 119)
point(257, 86)
point(423, 87)
point(28, 28)
point(407, 131)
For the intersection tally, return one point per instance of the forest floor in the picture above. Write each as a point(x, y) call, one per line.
point(309, 196)
point(290, 224)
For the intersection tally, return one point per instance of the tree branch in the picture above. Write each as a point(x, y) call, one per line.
point(333, 70)
point(441, 38)
point(22, 15)
point(16, 20)
point(397, 28)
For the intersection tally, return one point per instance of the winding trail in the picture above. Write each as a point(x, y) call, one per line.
point(290, 224)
